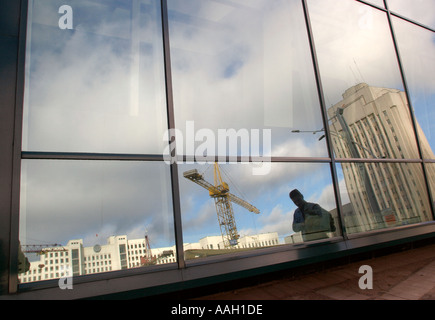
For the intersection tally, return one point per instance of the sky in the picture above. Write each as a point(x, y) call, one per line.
point(417, 48)
point(100, 88)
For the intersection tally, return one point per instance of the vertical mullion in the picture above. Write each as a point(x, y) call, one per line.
point(410, 109)
point(325, 117)
point(14, 245)
point(171, 125)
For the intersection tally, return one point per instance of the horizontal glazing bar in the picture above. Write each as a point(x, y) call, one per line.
point(412, 21)
point(155, 157)
point(90, 156)
point(372, 5)
point(249, 159)
point(379, 160)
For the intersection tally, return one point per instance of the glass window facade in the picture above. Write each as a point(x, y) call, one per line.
point(382, 195)
point(368, 111)
point(417, 51)
point(157, 135)
point(95, 208)
point(267, 215)
point(244, 66)
point(104, 63)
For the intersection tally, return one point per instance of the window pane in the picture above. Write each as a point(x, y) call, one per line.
point(98, 213)
point(367, 107)
point(417, 50)
point(99, 86)
point(244, 65)
point(211, 219)
point(382, 195)
point(421, 11)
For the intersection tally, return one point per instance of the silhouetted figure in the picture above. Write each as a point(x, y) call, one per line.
point(310, 219)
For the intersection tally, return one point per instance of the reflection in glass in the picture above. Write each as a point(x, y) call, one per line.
point(382, 195)
point(243, 65)
point(99, 86)
point(204, 230)
point(421, 11)
point(379, 3)
point(87, 217)
point(367, 109)
point(430, 169)
point(372, 122)
point(417, 51)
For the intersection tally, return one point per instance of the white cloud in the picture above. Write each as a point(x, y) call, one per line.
point(80, 99)
point(242, 72)
point(354, 45)
point(421, 11)
point(81, 84)
point(63, 200)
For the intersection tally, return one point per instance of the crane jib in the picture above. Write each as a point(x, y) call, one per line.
point(219, 191)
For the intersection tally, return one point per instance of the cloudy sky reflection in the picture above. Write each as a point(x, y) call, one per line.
point(236, 64)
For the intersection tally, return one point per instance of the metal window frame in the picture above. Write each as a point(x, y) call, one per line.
point(410, 108)
point(179, 272)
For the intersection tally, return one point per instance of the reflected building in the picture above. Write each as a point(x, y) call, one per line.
point(75, 259)
point(93, 99)
point(244, 242)
point(121, 253)
point(373, 122)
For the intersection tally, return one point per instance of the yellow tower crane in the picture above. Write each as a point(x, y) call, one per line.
point(220, 192)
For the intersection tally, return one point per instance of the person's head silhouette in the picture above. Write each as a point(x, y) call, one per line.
point(297, 197)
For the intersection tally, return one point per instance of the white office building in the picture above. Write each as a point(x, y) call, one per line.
point(121, 253)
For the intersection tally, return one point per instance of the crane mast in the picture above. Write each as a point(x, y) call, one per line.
point(223, 199)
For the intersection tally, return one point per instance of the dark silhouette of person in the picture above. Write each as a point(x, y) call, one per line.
point(310, 219)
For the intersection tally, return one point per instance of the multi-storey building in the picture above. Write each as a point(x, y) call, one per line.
point(121, 253)
point(373, 122)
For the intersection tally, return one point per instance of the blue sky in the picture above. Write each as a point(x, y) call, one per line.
point(268, 193)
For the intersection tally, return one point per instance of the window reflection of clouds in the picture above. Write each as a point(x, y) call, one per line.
point(417, 51)
point(232, 68)
point(367, 107)
point(95, 88)
point(354, 45)
point(92, 200)
point(269, 193)
point(379, 3)
point(421, 11)
point(245, 65)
